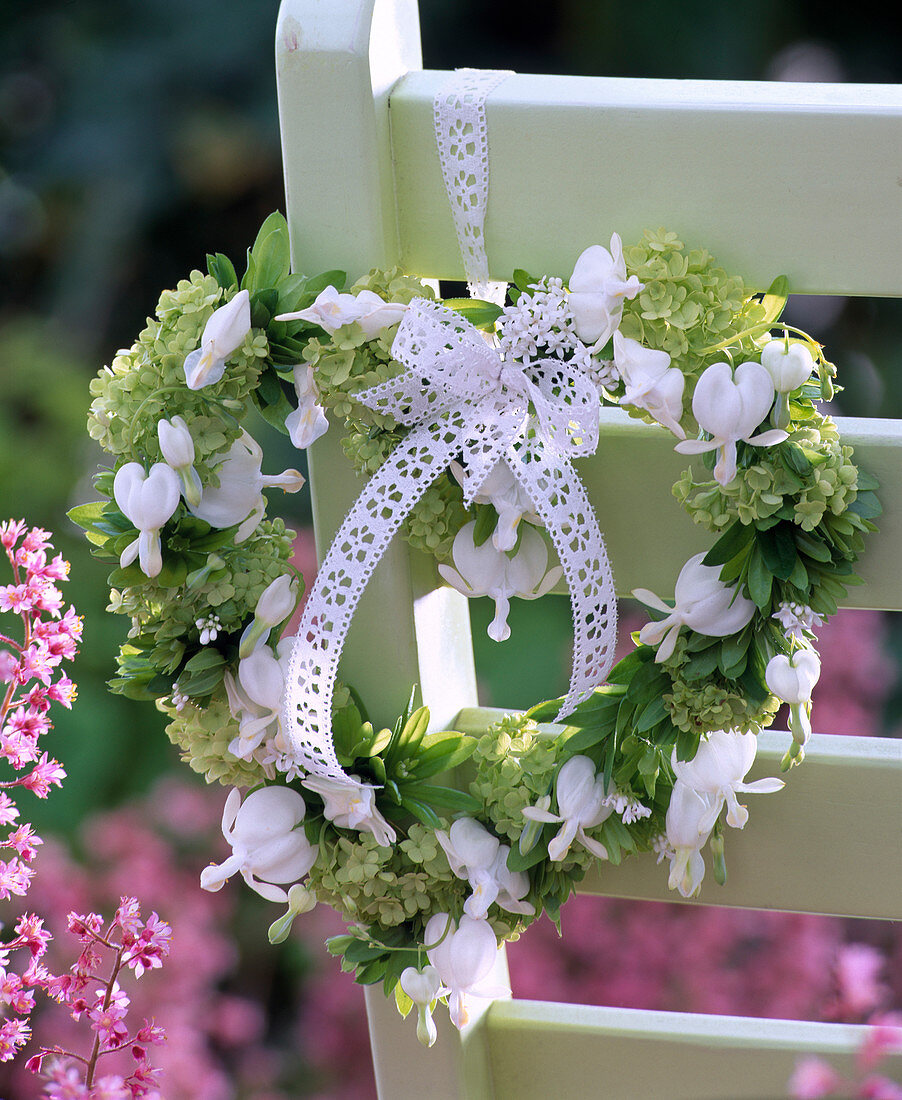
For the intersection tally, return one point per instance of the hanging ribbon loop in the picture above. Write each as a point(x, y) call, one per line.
point(462, 401)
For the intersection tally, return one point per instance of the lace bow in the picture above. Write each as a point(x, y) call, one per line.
point(462, 401)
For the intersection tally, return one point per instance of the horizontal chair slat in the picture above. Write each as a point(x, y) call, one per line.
point(539, 1050)
point(649, 536)
point(828, 843)
point(767, 176)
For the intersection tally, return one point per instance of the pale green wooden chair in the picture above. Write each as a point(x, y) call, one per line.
point(364, 189)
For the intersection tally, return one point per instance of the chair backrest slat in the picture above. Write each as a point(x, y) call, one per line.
point(794, 179)
point(839, 811)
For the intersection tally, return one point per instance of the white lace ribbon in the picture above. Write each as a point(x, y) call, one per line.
point(462, 401)
point(458, 111)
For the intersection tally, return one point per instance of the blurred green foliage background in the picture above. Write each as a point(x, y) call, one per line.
point(137, 135)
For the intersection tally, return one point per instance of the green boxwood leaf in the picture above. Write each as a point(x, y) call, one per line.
point(735, 539)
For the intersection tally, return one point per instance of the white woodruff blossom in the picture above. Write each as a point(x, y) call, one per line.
point(223, 335)
point(308, 421)
point(598, 289)
point(485, 571)
point(538, 324)
point(238, 499)
point(351, 804)
point(266, 842)
point(651, 382)
point(148, 501)
point(703, 603)
point(481, 859)
point(729, 406)
point(177, 447)
point(463, 955)
point(718, 772)
point(331, 310)
point(582, 805)
point(797, 619)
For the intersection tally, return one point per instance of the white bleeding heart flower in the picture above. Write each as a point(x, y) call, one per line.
point(423, 987)
point(789, 367)
point(703, 603)
point(148, 500)
point(463, 955)
point(177, 447)
point(686, 837)
point(308, 421)
point(481, 859)
point(331, 310)
point(266, 843)
point(509, 499)
point(582, 804)
point(729, 407)
point(376, 314)
point(350, 804)
point(651, 382)
point(792, 679)
point(485, 571)
point(598, 288)
point(239, 495)
point(274, 604)
point(224, 334)
point(255, 696)
point(718, 771)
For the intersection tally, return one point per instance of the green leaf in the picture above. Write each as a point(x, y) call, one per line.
point(774, 301)
point(486, 522)
point(517, 861)
point(205, 658)
point(412, 733)
point(650, 715)
point(442, 755)
point(223, 270)
point(271, 254)
point(625, 669)
point(316, 283)
point(446, 798)
point(523, 280)
point(731, 542)
point(867, 480)
point(778, 549)
point(422, 812)
point(866, 505)
point(812, 547)
point(479, 313)
point(587, 738)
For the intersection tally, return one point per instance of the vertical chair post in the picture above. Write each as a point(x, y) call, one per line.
point(336, 64)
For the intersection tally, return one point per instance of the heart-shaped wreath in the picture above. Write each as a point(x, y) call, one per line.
point(431, 878)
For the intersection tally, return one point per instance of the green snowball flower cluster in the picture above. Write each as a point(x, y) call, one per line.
point(385, 886)
point(687, 302)
point(203, 735)
point(713, 706)
point(136, 391)
point(515, 766)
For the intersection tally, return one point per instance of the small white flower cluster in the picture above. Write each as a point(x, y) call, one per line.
point(209, 628)
point(796, 619)
point(540, 319)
